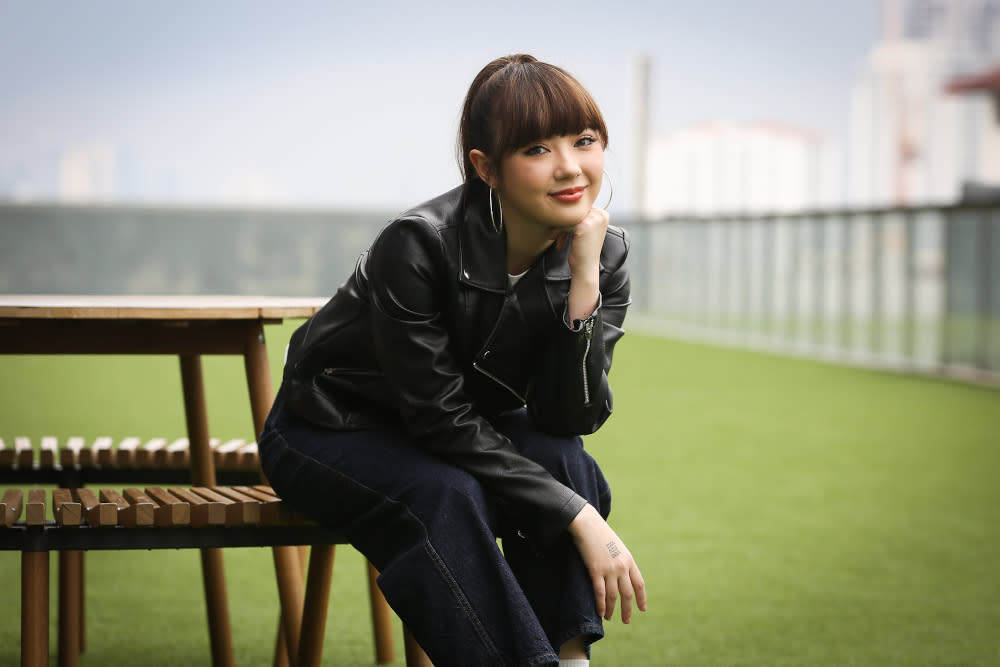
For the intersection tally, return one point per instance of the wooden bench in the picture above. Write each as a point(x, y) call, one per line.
point(77, 461)
point(145, 518)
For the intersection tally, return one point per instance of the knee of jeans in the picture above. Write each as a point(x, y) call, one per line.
point(269, 448)
point(559, 455)
point(455, 494)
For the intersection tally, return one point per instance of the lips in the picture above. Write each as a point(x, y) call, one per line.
point(569, 194)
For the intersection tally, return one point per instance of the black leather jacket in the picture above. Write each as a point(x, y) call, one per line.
point(428, 335)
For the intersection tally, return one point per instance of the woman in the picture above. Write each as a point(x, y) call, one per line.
point(436, 402)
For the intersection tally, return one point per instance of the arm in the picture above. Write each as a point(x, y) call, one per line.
point(412, 346)
point(570, 394)
point(597, 303)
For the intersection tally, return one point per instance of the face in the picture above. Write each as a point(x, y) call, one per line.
point(552, 183)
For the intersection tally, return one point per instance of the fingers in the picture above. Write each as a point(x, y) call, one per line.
point(630, 587)
point(628, 595)
point(599, 595)
point(611, 597)
point(639, 585)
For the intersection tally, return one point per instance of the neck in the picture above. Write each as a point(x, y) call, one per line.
point(525, 244)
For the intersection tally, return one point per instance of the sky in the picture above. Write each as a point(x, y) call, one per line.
point(356, 104)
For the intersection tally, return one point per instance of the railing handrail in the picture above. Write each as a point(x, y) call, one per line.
point(812, 214)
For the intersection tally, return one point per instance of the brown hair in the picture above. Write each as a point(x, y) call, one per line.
point(516, 100)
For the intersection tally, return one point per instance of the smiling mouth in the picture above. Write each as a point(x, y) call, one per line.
point(569, 194)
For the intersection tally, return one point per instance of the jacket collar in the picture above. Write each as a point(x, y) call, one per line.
point(483, 252)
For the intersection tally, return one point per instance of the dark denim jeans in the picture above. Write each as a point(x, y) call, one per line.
point(432, 531)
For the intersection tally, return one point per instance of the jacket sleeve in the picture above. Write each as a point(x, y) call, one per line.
point(570, 394)
point(412, 347)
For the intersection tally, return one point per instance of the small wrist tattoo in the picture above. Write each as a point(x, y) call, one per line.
point(613, 550)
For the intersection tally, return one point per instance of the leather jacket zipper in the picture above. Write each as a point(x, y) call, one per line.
point(475, 364)
point(588, 333)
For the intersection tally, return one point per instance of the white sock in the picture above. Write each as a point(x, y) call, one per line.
point(578, 662)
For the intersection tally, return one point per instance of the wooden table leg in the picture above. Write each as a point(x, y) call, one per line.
point(70, 608)
point(82, 595)
point(415, 656)
point(203, 474)
point(35, 609)
point(316, 605)
point(288, 568)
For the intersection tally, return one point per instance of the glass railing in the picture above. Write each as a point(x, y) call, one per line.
point(913, 289)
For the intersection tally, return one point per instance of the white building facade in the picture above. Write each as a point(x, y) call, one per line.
point(740, 168)
point(911, 142)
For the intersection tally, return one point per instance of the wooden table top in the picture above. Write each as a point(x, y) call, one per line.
point(156, 307)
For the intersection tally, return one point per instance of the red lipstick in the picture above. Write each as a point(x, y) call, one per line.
point(569, 195)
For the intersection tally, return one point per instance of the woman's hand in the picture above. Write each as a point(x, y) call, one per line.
point(585, 239)
point(612, 569)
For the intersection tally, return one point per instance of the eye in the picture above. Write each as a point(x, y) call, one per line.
point(537, 149)
point(585, 140)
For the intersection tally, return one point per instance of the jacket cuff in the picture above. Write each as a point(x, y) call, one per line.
point(546, 533)
point(576, 326)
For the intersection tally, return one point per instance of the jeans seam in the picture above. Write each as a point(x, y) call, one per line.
point(463, 601)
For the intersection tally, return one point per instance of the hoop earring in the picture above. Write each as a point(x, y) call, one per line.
point(611, 191)
point(497, 228)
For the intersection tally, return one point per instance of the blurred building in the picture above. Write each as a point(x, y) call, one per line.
point(986, 84)
point(738, 168)
point(88, 172)
point(911, 142)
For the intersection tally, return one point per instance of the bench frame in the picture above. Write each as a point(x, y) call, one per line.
point(36, 539)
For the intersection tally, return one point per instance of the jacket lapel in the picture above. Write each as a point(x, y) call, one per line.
point(482, 252)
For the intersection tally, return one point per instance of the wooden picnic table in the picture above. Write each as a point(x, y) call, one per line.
point(186, 326)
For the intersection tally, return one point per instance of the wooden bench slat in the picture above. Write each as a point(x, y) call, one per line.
point(144, 456)
point(140, 510)
point(11, 506)
point(112, 496)
point(24, 453)
point(93, 455)
point(272, 509)
point(65, 510)
point(204, 512)
point(234, 510)
point(249, 507)
point(6, 455)
point(69, 455)
point(178, 454)
point(226, 455)
point(126, 451)
point(103, 453)
point(34, 514)
point(47, 455)
point(169, 510)
point(95, 512)
point(248, 457)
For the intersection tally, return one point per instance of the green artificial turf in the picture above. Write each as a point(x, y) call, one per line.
point(783, 512)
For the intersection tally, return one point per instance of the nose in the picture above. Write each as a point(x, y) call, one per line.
point(567, 166)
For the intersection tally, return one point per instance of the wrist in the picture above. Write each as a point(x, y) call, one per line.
point(583, 521)
point(584, 295)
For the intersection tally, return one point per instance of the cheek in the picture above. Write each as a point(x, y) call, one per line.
point(525, 180)
point(595, 164)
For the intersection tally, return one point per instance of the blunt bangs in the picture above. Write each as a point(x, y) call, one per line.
point(518, 100)
point(541, 101)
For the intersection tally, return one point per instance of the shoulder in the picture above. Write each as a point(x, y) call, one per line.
point(417, 242)
point(443, 211)
point(420, 225)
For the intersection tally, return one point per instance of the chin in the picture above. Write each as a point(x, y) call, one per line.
point(570, 217)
